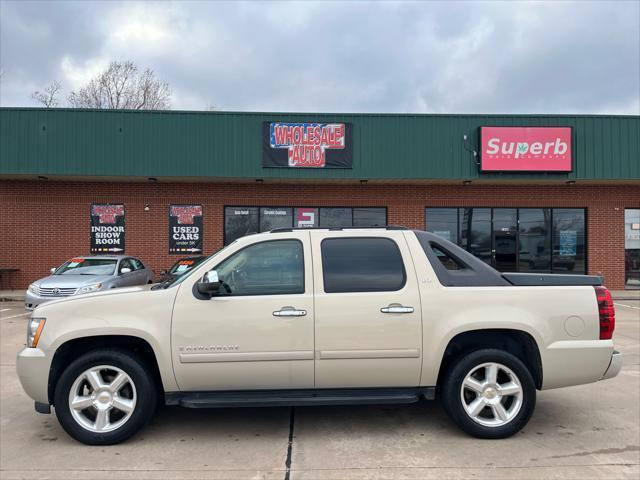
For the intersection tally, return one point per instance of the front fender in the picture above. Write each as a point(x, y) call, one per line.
point(141, 313)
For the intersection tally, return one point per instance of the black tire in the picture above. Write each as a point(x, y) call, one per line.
point(453, 403)
point(146, 393)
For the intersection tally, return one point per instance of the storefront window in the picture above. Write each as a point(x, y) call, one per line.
point(568, 241)
point(475, 232)
point(517, 239)
point(632, 248)
point(272, 217)
point(240, 221)
point(336, 217)
point(369, 217)
point(443, 222)
point(534, 240)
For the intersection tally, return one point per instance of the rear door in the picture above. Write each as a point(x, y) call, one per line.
point(367, 307)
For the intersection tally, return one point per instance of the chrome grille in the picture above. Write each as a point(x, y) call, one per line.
point(57, 292)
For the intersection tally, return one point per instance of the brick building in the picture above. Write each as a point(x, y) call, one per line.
point(524, 193)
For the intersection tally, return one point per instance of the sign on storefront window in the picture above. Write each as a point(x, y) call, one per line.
point(107, 228)
point(568, 243)
point(185, 229)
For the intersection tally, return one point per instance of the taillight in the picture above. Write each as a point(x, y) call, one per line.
point(607, 313)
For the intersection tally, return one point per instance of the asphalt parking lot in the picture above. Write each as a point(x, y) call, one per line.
point(589, 431)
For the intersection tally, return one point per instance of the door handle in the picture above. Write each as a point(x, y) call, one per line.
point(396, 308)
point(289, 312)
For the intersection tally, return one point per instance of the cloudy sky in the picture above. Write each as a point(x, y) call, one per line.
point(427, 57)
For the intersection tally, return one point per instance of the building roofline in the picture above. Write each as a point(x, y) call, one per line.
point(351, 114)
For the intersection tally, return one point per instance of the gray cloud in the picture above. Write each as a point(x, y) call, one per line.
point(459, 57)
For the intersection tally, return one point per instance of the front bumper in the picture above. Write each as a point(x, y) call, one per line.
point(31, 300)
point(614, 366)
point(33, 366)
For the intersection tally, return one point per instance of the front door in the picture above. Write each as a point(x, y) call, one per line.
point(505, 239)
point(257, 333)
point(368, 315)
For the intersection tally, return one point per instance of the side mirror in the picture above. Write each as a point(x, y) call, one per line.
point(125, 270)
point(209, 284)
point(53, 270)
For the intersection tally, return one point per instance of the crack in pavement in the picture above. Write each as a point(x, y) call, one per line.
point(287, 463)
point(628, 448)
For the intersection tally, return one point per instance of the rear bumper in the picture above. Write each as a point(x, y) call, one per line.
point(614, 366)
point(576, 362)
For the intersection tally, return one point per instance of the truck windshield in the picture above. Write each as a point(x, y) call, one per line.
point(87, 266)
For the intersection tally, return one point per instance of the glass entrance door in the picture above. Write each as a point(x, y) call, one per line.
point(505, 241)
point(632, 248)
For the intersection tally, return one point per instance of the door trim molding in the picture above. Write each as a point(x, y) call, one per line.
point(245, 356)
point(368, 354)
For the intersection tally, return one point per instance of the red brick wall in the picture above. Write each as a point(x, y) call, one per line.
point(44, 223)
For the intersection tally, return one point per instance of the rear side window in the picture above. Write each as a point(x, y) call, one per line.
point(361, 265)
point(449, 262)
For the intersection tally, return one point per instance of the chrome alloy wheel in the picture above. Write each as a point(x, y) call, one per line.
point(102, 398)
point(491, 394)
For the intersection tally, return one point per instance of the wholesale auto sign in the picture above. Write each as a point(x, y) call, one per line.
point(185, 229)
point(107, 228)
point(306, 145)
point(525, 149)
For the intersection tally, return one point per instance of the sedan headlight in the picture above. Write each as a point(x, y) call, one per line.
point(33, 288)
point(89, 288)
point(34, 329)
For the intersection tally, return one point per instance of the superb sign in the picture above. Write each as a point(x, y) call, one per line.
point(304, 145)
point(525, 149)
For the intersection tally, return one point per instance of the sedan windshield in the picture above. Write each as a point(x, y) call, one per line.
point(181, 266)
point(87, 266)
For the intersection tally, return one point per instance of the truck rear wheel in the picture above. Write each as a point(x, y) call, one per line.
point(105, 396)
point(489, 394)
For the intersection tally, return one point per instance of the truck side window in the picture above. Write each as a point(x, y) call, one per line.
point(274, 267)
point(362, 265)
point(449, 262)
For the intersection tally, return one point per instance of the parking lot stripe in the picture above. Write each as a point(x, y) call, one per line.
point(5, 310)
point(16, 316)
point(628, 306)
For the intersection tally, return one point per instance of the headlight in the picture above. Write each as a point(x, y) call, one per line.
point(34, 329)
point(89, 288)
point(33, 288)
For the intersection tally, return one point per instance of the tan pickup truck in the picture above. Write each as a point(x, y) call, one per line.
point(321, 316)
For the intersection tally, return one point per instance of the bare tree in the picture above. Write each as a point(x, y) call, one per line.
point(48, 96)
point(120, 86)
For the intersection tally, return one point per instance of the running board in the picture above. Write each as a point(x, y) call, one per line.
point(281, 398)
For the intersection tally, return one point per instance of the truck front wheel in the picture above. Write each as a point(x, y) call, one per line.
point(489, 394)
point(105, 396)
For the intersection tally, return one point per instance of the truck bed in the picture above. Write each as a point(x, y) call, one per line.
point(547, 279)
